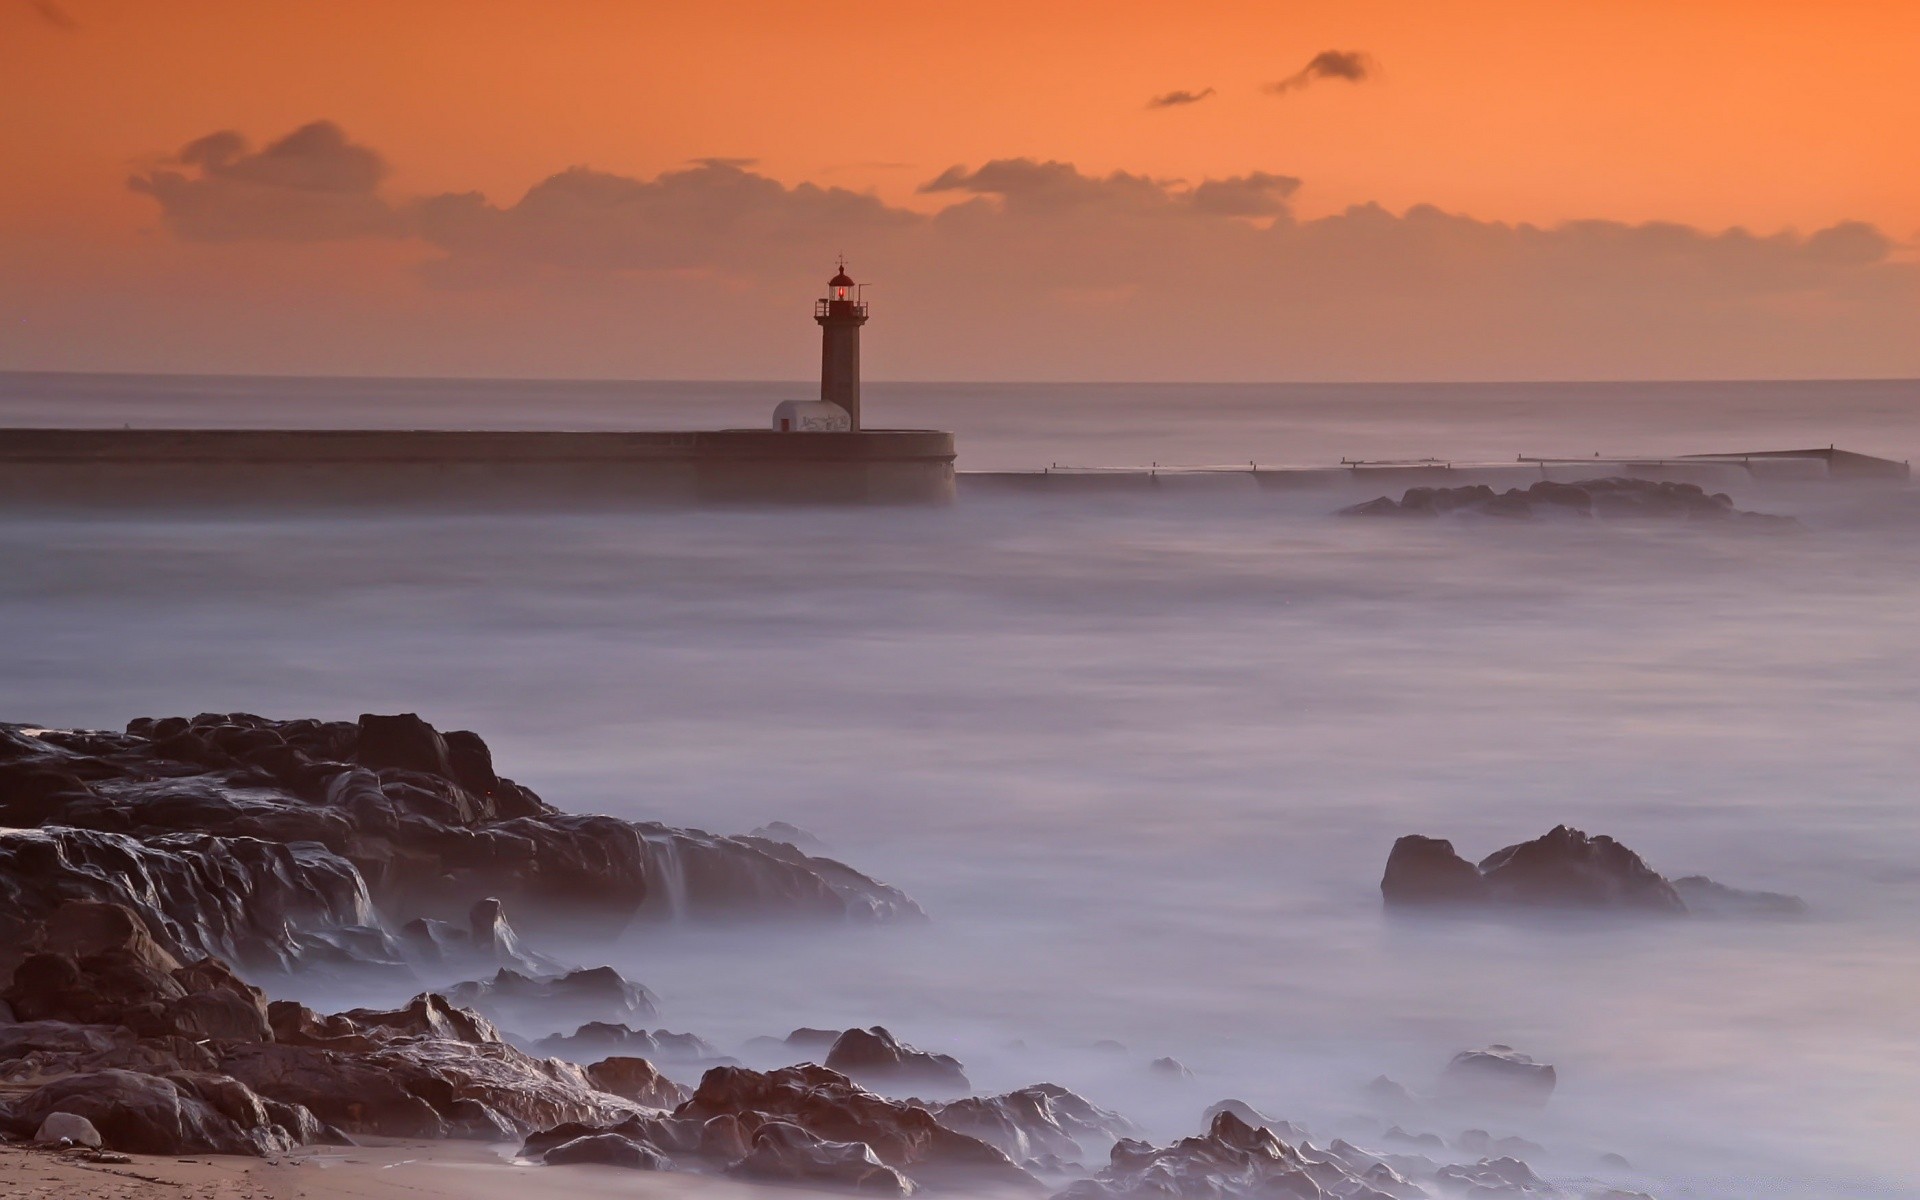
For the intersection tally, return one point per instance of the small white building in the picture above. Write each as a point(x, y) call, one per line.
point(810, 416)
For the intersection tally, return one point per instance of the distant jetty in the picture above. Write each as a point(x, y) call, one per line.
point(813, 451)
point(513, 469)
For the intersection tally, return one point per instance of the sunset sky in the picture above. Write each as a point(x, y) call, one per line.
point(1323, 191)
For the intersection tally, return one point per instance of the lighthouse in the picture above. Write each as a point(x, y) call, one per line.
point(840, 315)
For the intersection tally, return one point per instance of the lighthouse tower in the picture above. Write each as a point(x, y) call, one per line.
point(841, 314)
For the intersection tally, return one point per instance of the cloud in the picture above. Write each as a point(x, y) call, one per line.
point(722, 161)
point(1052, 271)
point(53, 15)
point(1177, 99)
point(714, 216)
point(311, 185)
point(1354, 66)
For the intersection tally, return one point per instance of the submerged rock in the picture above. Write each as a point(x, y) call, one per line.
point(1614, 497)
point(875, 1057)
point(1236, 1161)
point(596, 994)
point(1042, 1124)
point(1707, 898)
point(1563, 869)
point(1496, 1077)
point(601, 1039)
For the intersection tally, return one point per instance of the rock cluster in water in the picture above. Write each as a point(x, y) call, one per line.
point(1564, 869)
point(277, 845)
point(1612, 498)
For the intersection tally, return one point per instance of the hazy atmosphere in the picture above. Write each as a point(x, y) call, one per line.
point(1042, 601)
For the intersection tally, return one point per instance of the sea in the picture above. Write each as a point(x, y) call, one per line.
point(1141, 757)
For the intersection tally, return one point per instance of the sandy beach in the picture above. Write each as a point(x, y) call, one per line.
point(389, 1170)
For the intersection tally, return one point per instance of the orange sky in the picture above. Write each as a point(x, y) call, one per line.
point(1759, 113)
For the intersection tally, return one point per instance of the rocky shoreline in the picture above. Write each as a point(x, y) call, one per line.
point(149, 878)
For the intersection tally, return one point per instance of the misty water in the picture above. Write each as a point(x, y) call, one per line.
point(1142, 758)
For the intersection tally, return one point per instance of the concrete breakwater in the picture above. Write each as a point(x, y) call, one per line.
point(512, 469)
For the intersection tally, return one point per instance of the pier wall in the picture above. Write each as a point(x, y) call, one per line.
point(466, 469)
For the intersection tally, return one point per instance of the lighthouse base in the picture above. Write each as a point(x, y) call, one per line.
point(470, 469)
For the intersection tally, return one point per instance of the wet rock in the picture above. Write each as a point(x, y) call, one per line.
point(551, 1001)
point(1043, 1126)
point(122, 977)
point(1705, 897)
point(1493, 1177)
point(267, 843)
point(1427, 871)
point(487, 940)
point(146, 1114)
point(1286, 1130)
point(704, 876)
point(610, 1150)
point(786, 1153)
point(426, 1087)
point(1564, 869)
point(1170, 1068)
point(602, 1039)
point(637, 1080)
point(1611, 498)
point(876, 1058)
point(1231, 1161)
point(1388, 1096)
point(242, 899)
point(1498, 1077)
point(834, 1108)
point(67, 1129)
point(792, 835)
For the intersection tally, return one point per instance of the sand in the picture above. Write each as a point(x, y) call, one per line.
point(386, 1171)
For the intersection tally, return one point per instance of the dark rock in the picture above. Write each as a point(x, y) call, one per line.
point(550, 1001)
point(832, 1107)
point(1426, 1141)
point(1286, 1130)
point(704, 876)
point(602, 1039)
point(1611, 497)
point(1566, 868)
point(1170, 1068)
point(1493, 1177)
point(1387, 1095)
point(1704, 897)
point(1381, 506)
point(608, 1149)
point(1496, 1077)
point(876, 1058)
point(1040, 1124)
point(637, 1080)
point(792, 835)
point(425, 1087)
point(1563, 869)
point(267, 843)
point(1425, 871)
point(1231, 1161)
point(67, 1129)
point(146, 1114)
point(786, 1153)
